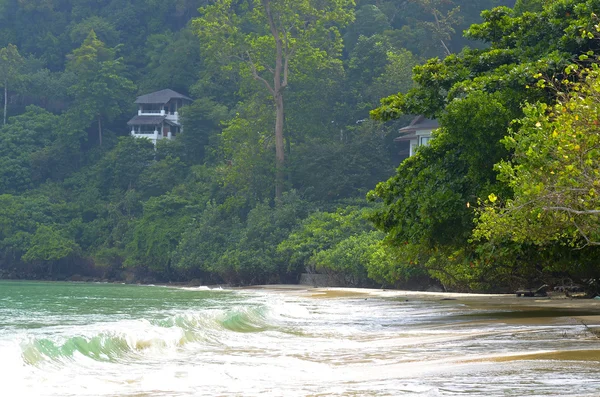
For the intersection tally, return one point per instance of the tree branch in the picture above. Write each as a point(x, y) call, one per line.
point(437, 22)
point(272, 26)
point(286, 61)
point(257, 76)
point(277, 84)
point(572, 211)
point(585, 237)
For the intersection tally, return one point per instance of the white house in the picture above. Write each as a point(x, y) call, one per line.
point(158, 115)
point(417, 133)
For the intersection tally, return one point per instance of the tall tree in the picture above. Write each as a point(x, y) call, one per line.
point(442, 26)
point(10, 64)
point(100, 92)
point(269, 39)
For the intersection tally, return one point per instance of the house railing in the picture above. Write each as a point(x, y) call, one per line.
point(153, 136)
point(152, 112)
point(173, 116)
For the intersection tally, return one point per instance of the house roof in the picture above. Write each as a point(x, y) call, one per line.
point(406, 137)
point(419, 123)
point(160, 97)
point(146, 120)
point(171, 122)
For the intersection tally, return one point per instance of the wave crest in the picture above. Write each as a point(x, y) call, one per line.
point(124, 340)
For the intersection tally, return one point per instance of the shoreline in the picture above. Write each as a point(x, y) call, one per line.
point(553, 300)
point(555, 309)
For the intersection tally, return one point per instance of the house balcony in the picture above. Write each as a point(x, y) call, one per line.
point(153, 136)
point(172, 116)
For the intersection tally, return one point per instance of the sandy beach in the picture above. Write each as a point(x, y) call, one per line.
point(555, 308)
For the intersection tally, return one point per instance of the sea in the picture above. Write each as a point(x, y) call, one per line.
point(100, 339)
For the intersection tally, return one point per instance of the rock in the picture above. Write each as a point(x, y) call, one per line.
point(76, 277)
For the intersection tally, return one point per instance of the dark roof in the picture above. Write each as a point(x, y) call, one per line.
point(160, 97)
point(419, 123)
point(146, 120)
point(406, 137)
point(171, 122)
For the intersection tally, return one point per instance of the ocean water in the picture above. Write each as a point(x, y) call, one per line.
point(71, 339)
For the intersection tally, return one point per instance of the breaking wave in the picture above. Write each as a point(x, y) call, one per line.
point(126, 340)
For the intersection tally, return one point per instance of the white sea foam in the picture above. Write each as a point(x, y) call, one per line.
point(261, 343)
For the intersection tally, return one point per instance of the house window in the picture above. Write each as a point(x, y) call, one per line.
point(146, 129)
point(413, 148)
point(424, 140)
point(151, 108)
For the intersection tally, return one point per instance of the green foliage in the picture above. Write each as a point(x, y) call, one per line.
point(20, 140)
point(237, 252)
point(370, 21)
point(475, 95)
point(10, 66)
point(122, 167)
point(103, 28)
point(426, 201)
point(522, 6)
point(254, 260)
point(270, 42)
point(101, 89)
point(161, 176)
point(48, 245)
point(553, 173)
point(25, 223)
point(338, 169)
point(202, 245)
point(319, 232)
point(270, 77)
point(247, 145)
point(173, 61)
point(396, 266)
point(349, 258)
point(202, 120)
point(158, 232)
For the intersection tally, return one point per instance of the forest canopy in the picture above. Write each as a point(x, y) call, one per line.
point(278, 150)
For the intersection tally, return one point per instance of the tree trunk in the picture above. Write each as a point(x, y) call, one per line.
point(279, 146)
point(280, 81)
point(5, 99)
point(100, 130)
point(288, 150)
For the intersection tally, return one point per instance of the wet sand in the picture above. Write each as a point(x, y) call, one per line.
point(555, 308)
point(564, 355)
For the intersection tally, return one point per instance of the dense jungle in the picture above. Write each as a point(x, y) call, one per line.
point(287, 162)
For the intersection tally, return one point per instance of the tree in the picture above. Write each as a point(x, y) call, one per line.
point(321, 231)
point(554, 173)
point(173, 61)
point(429, 204)
point(20, 141)
point(158, 232)
point(443, 23)
point(101, 91)
point(269, 40)
point(10, 64)
point(121, 168)
point(49, 245)
point(202, 120)
point(370, 20)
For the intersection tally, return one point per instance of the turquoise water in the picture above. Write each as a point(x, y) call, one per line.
point(70, 339)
